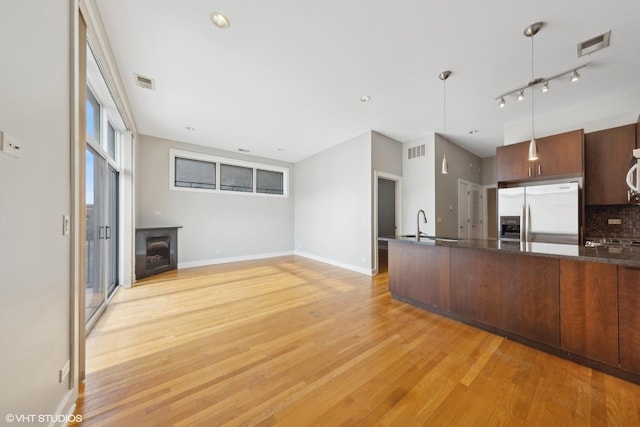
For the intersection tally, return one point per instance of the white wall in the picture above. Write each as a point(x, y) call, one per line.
point(622, 109)
point(462, 165)
point(418, 186)
point(35, 193)
point(333, 205)
point(216, 227)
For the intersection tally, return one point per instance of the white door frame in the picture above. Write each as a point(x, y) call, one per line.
point(398, 190)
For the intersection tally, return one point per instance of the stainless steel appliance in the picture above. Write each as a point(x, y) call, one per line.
point(540, 213)
point(633, 194)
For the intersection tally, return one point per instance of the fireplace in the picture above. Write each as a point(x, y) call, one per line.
point(156, 250)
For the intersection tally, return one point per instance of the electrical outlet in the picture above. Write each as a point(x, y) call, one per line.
point(64, 371)
point(10, 145)
point(615, 221)
point(157, 213)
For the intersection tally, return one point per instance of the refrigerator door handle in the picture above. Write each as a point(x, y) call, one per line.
point(523, 224)
point(528, 229)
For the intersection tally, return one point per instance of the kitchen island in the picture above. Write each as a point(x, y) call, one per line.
point(576, 302)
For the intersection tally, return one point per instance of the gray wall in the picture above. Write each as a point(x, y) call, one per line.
point(333, 204)
point(462, 165)
point(418, 186)
point(386, 154)
point(489, 176)
point(217, 227)
point(35, 291)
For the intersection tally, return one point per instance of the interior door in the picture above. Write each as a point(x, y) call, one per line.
point(475, 211)
point(464, 229)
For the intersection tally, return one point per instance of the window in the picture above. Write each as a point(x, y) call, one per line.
point(236, 178)
point(269, 182)
point(111, 141)
point(200, 172)
point(93, 116)
point(195, 173)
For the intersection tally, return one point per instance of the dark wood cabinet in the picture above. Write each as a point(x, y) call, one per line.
point(589, 310)
point(512, 163)
point(559, 155)
point(516, 293)
point(607, 156)
point(629, 317)
point(420, 273)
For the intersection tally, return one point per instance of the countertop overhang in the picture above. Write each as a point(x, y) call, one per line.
point(627, 255)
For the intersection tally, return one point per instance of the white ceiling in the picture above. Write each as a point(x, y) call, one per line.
point(285, 80)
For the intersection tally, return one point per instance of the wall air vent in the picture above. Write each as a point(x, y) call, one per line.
point(594, 44)
point(145, 82)
point(417, 151)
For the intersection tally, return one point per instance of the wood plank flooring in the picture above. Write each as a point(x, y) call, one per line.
point(293, 342)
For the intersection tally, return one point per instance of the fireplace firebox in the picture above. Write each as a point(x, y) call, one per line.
point(156, 250)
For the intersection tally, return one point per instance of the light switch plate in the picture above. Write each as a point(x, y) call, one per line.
point(66, 225)
point(9, 145)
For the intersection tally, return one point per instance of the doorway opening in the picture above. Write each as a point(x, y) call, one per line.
point(386, 216)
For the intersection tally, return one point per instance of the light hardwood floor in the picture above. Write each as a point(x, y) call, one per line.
point(293, 342)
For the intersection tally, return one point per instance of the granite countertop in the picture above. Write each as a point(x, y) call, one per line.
point(627, 255)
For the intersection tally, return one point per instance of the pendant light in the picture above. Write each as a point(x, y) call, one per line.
point(444, 76)
point(531, 31)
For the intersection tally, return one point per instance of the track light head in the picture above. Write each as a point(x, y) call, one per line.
point(574, 76)
point(520, 96)
point(545, 87)
point(501, 104)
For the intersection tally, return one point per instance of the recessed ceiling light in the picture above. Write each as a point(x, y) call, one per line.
point(365, 98)
point(280, 149)
point(473, 131)
point(220, 20)
point(189, 128)
point(244, 150)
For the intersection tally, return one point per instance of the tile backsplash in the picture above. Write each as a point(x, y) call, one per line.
point(597, 221)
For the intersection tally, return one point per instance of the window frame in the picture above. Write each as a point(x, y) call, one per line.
point(218, 160)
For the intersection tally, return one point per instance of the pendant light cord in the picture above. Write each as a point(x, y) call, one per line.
point(532, 92)
point(444, 106)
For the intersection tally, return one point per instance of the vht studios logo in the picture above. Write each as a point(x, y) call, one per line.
point(42, 418)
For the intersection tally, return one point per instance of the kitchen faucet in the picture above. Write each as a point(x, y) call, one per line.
point(418, 223)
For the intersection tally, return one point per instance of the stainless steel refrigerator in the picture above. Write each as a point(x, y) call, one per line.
point(540, 213)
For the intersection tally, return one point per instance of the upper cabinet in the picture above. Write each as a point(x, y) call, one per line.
point(607, 156)
point(558, 155)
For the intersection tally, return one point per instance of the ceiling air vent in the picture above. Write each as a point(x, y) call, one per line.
point(417, 151)
point(594, 44)
point(145, 82)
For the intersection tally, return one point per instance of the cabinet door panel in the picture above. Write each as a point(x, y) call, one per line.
point(607, 155)
point(589, 310)
point(517, 293)
point(629, 317)
point(420, 273)
point(512, 163)
point(560, 154)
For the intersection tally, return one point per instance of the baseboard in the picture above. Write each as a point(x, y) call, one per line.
point(368, 272)
point(232, 259)
point(64, 413)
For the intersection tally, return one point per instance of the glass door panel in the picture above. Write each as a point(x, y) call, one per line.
point(111, 235)
point(94, 287)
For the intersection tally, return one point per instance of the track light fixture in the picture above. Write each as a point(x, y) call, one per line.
point(518, 93)
point(545, 87)
point(574, 76)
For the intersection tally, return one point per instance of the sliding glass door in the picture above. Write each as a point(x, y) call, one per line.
point(101, 255)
